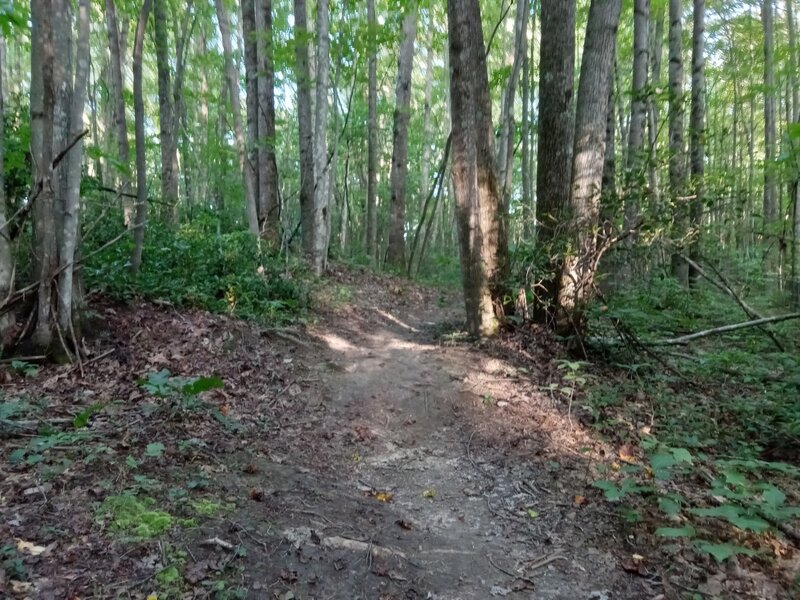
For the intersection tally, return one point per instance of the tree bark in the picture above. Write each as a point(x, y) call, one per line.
point(653, 112)
point(396, 256)
point(141, 165)
point(697, 133)
point(477, 193)
point(591, 116)
point(795, 182)
point(269, 213)
point(6, 254)
point(232, 78)
point(305, 126)
point(372, 136)
point(169, 149)
point(67, 302)
point(770, 187)
point(556, 130)
point(320, 151)
point(635, 162)
point(120, 122)
point(677, 150)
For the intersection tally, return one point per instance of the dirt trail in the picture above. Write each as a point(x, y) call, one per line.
point(371, 456)
point(416, 500)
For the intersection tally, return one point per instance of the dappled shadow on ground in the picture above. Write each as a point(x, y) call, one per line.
point(374, 454)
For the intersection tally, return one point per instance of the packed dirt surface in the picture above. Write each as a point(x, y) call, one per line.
point(373, 453)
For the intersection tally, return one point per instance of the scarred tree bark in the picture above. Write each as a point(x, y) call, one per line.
point(477, 193)
point(579, 266)
point(396, 256)
point(556, 129)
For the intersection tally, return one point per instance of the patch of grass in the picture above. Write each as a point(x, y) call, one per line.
point(210, 508)
point(134, 516)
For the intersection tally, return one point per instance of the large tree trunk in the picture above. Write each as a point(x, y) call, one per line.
point(141, 165)
point(635, 161)
point(396, 256)
point(677, 149)
point(556, 130)
point(477, 194)
point(269, 215)
point(169, 149)
point(319, 257)
point(305, 126)
point(697, 133)
point(372, 137)
point(232, 78)
point(770, 187)
point(118, 105)
point(42, 103)
point(579, 267)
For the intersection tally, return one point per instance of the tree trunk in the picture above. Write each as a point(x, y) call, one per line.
point(120, 122)
point(232, 77)
point(770, 187)
point(396, 256)
point(505, 151)
point(635, 162)
point(477, 193)
point(556, 130)
point(269, 216)
point(591, 116)
point(305, 126)
point(653, 112)
point(425, 173)
point(677, 149)
point(321, 181)
point(141, 165)
point(67, 302)
point(6, 254)
point(169, 149)
point(795, 182)
point(372, 136)
point(697, 133)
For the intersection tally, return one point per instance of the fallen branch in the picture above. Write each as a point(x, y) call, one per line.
point(684, 339)
point(726, 288)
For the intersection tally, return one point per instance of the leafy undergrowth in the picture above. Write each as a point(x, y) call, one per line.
point(104, 475)
point(708, 433)
point(232, 273)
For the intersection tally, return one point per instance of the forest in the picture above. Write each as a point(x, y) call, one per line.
point(399, 299)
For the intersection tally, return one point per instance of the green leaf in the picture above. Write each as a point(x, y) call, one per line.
point(661, 461)
point(675, 532)
point(773, 496)
point(669, 506)
point(735, 515)
point(17, 456)
point(81, 420)
point(202, 384)
point(722, 552)
point(682, 455)
point(131, 462)
point(610, 490)
point(155, 449)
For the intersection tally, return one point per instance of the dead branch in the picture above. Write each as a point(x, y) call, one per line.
point(685, 339)
point(726, 288)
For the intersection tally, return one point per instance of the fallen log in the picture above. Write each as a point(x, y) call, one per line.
point(685, 339)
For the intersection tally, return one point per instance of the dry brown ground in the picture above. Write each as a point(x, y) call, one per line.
point(369, 454)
